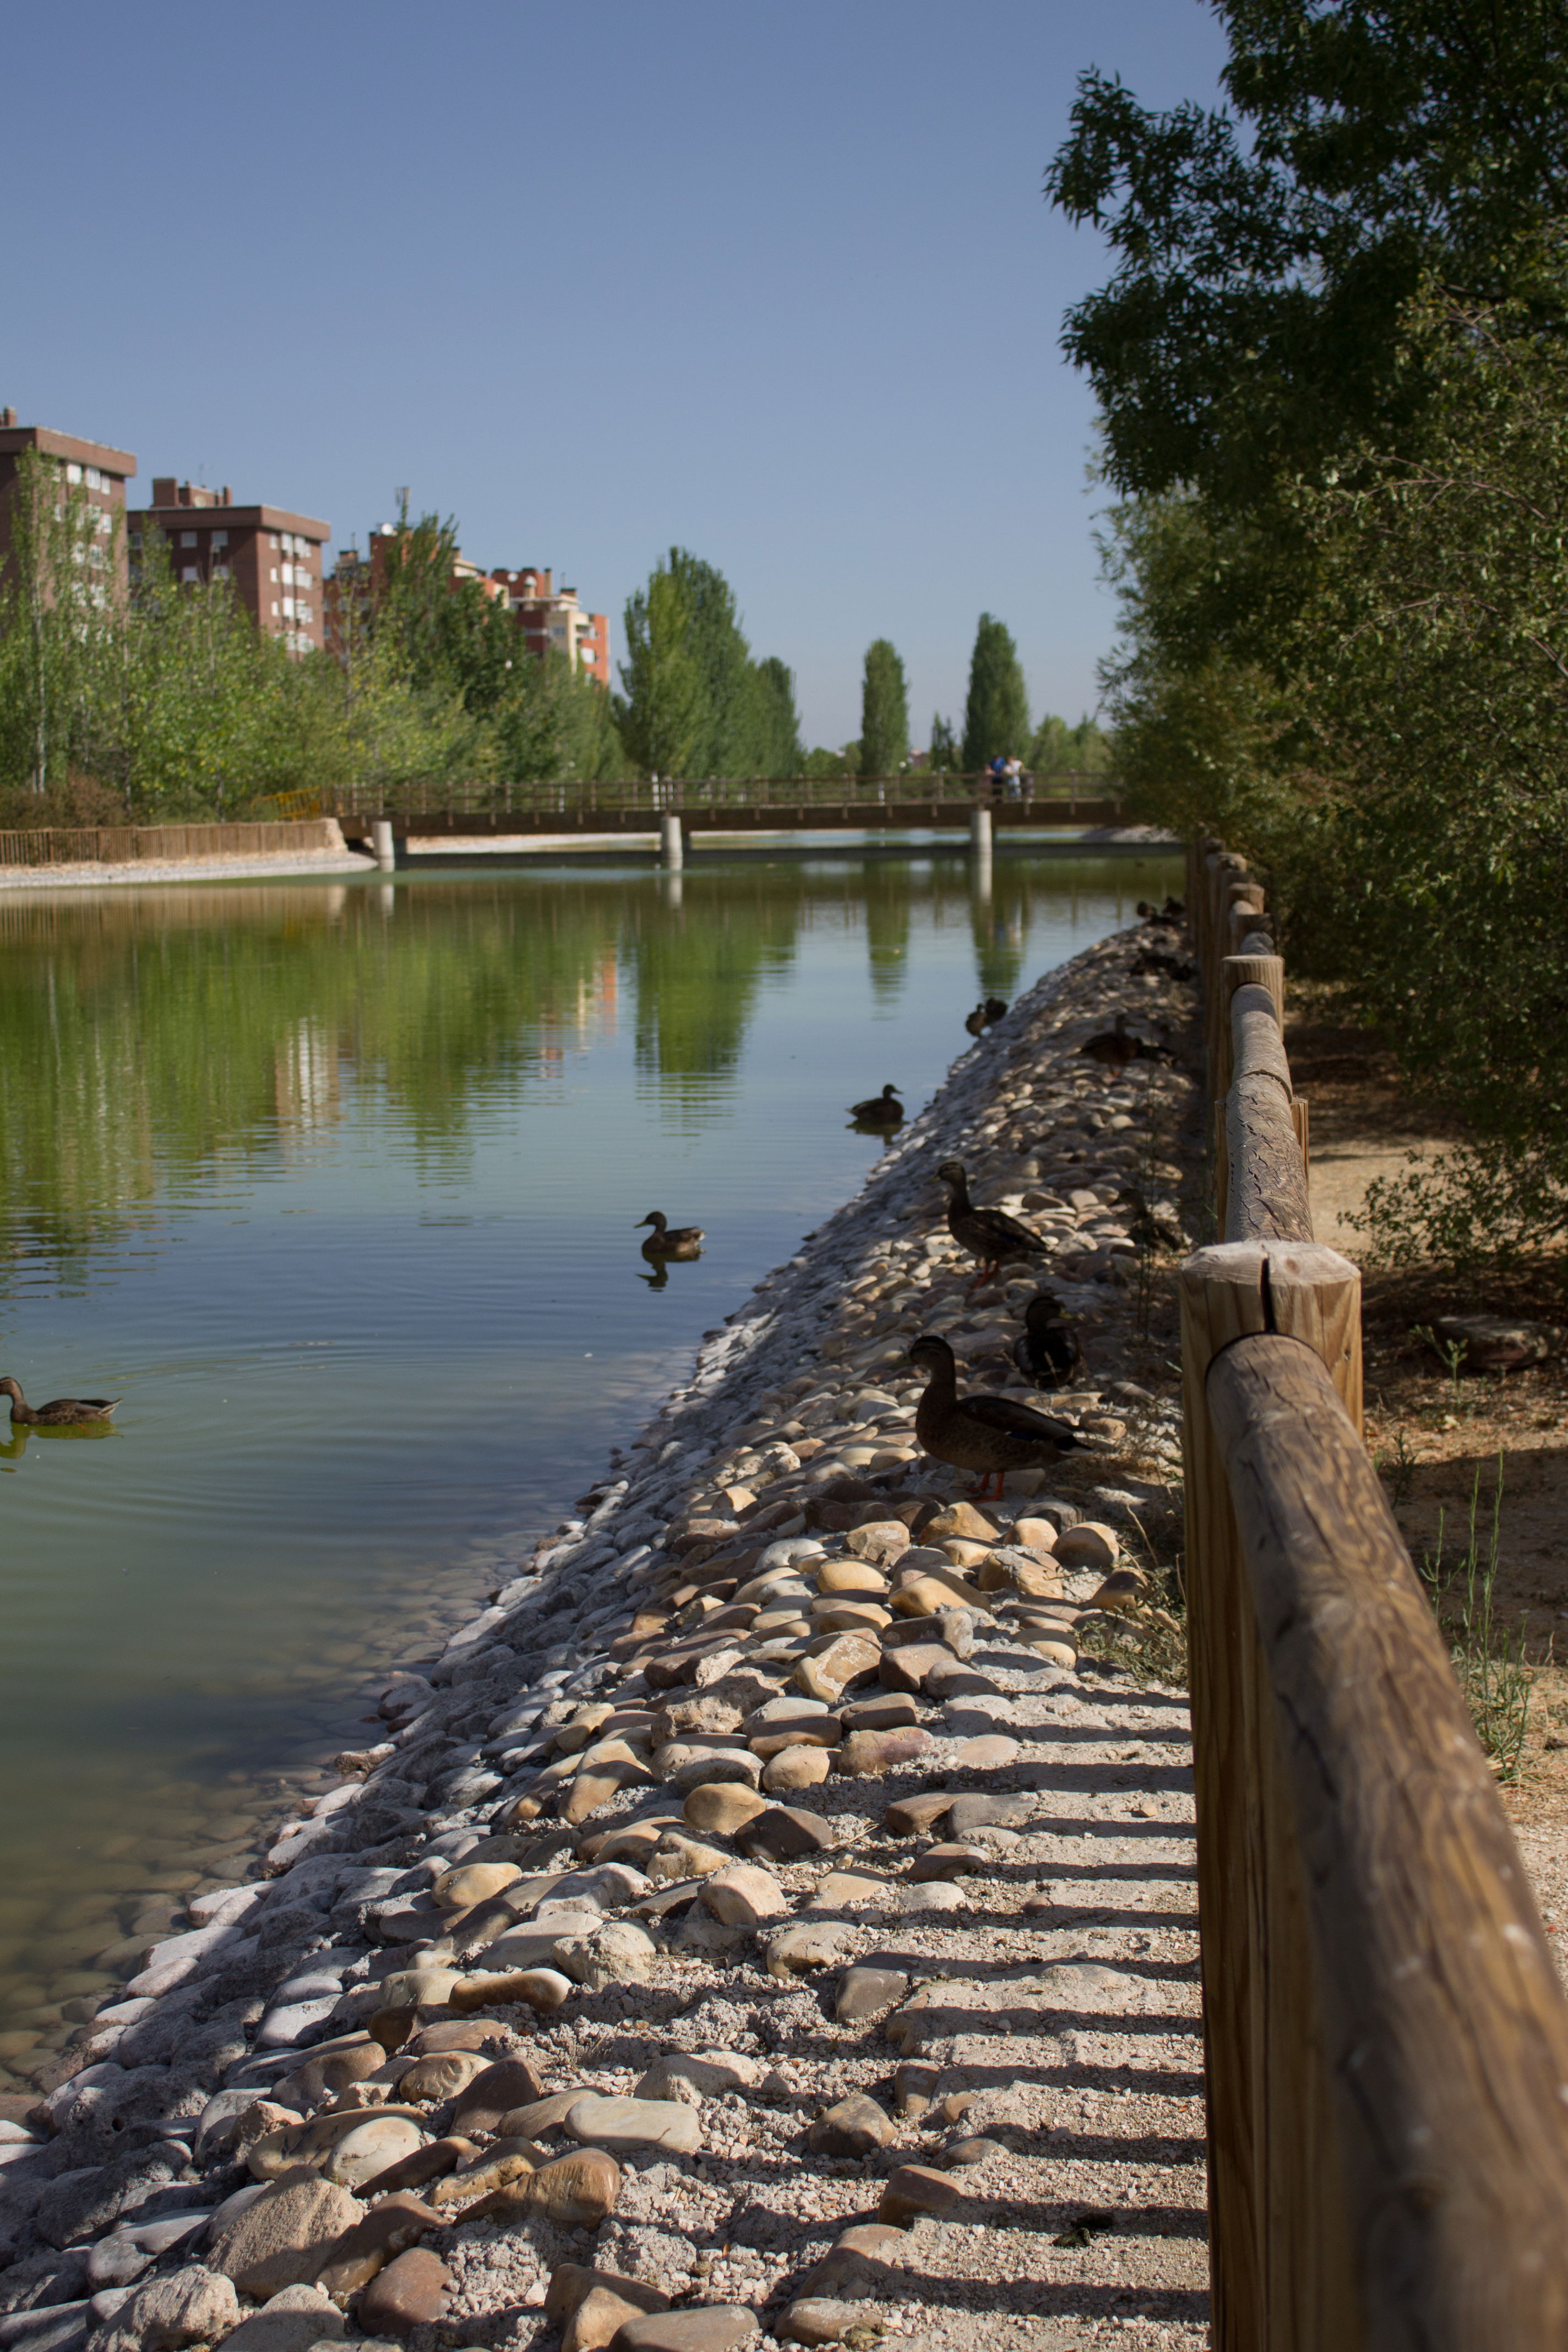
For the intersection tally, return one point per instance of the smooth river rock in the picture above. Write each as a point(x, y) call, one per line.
point(620, 2125)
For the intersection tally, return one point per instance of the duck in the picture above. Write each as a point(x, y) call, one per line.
point(669, 1241)
point(994, 1009)
point(1046, 1352)
point(1145, 1224)
point(1154, 963)
point(880, 1110)
point(987, 1435)
point(989, 1235)
point(1115, 1047)
point(976, 1022)
point(60, 1412)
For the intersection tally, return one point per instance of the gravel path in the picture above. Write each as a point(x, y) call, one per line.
point(763, 1924)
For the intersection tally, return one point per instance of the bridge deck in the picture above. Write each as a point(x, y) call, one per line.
point(583, 811)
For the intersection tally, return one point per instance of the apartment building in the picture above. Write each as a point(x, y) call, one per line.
point(92, 468)
point(273, 556)
point(552, 621)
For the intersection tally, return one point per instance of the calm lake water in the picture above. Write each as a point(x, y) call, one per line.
point(335, 1184)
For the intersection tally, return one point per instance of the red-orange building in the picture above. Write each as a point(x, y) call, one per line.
point(551, 620)
point(272, 555)
point(100, 472)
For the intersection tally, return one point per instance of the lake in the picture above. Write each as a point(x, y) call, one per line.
point(335, 1183)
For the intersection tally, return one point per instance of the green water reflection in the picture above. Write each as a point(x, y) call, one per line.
point(335, 1183)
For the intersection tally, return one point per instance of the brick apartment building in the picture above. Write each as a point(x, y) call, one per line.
point(548, 619)
point(273, 556)
point(100, 472)
point(551, 619)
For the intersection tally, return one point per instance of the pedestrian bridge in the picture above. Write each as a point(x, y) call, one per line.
point(675, 810)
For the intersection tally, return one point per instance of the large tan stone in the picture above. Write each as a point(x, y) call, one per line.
point(410, 2293)
point(744, 1895)
point(882, 1543)
point(577, 2191)
point(851, 1576)
point(718, 1808)
point(960, 1519)
point(353, 2260)
point(282, 2235)
point(796, 1768)
point(456, 1890)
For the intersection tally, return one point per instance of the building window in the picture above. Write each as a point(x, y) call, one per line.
point(220, 571)
point(220, 539)
point(187, 538)
point(190, 573)
point(275, 608)
point(272, 576)
point(73, 474)
point(287, 608)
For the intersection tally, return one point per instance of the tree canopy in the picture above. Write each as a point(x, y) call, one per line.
point(884, 712)
point(696, 704)
point(997, 709)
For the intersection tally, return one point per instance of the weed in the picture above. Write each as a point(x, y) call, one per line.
point(1151, 1637)
point(1399, 1468)
point(1488, 1656)
point(1453, 1353)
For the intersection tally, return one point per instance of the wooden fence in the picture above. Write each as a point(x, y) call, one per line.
point(125, 844)
point(1387, 2039)
point(699, 793)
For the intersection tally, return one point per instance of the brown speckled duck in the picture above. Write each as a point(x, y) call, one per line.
point(987, 1435)
point(60, 1412)
point(989, 1235)
point(669, 1241)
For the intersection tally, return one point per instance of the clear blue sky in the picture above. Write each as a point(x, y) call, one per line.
point(772, 279)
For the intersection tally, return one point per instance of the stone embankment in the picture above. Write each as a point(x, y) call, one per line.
point(765, 1923)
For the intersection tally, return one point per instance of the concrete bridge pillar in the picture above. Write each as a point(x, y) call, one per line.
point(382, 844)
point(671, 846)
point(980, 831)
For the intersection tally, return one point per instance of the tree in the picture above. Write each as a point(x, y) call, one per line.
point(778, 721)
point(1058, 749)
point(693, 693)
point(997, 710)
point(884, 712)
point(1251, 328)
point(665, 717)
point(943, 756)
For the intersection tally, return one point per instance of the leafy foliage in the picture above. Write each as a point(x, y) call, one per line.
point(884, 712)
point(696, 703)
point(1058, 749)
point(996, 712)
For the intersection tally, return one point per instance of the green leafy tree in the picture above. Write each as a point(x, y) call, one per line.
point(944, 757)
point(1058, 749)
point(884, 712)
point(997, 710)
point(778, 721)
point(664, 718)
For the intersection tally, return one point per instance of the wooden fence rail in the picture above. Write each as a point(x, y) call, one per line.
point(123, 844)
point(1386, 2036)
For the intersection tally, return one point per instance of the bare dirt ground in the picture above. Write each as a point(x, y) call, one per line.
point(1494, 1445)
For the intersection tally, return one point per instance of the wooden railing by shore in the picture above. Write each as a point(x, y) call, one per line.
point(1386, 2038)
point(126, 845)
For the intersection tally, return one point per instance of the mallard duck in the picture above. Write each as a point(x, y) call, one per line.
point(987, 1435)
point(1145, 1225)
point(1154, 962)
point(989, 1235)
point(60, 1412)
point(976, 1022)
point(1048, 1352)
point(995, 1009)
point(880, 1110)
point(668, 1241)
point(1115, 1047)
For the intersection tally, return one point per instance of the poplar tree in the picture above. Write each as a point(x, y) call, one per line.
point(884, 712)
point(996, 712)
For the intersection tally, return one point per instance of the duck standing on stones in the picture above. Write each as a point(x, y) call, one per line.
point(880, 1110)
point(976, 1022)
point(1048, 1352)
point(668, 1241)
point(60, 1412)
point(994, 1010)
point(989, 1235)
point(987, 1435)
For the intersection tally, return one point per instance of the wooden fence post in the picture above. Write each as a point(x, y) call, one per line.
point(1278, 2225)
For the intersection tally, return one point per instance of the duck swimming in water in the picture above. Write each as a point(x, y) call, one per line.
point(880, 1110)
point(669, 1241)
point(60, 1412)
point(987, 1435)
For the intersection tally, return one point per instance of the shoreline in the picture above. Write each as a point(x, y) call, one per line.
point(628, 1972)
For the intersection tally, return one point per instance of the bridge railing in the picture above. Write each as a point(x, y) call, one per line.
point(123, 844)
point(696, 794)
point(1386, 2039)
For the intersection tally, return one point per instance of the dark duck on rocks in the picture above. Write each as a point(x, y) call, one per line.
point(989, 1235)
point(987, 1435)
point(1048, 1352)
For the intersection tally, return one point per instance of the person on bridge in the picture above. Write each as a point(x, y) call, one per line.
point(997, 772)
